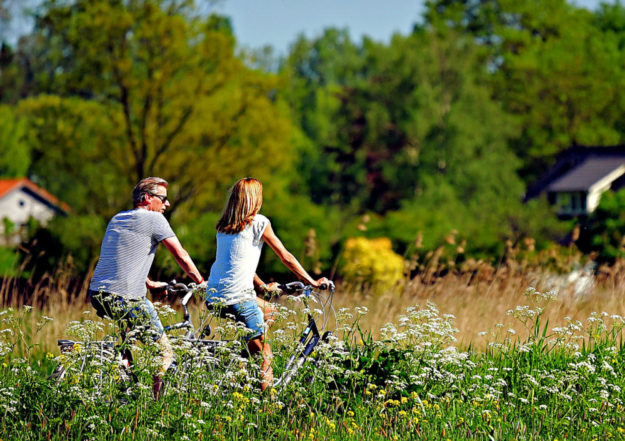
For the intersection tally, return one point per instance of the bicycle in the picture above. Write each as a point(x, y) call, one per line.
point(108, 359)
point(312, 335)
point(200, 355)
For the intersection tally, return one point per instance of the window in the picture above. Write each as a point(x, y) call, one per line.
point(21, 203)
point(572, 203)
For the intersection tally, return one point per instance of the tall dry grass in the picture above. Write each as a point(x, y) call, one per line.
point(479, 297)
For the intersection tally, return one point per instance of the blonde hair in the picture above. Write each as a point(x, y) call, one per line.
point(246, 198)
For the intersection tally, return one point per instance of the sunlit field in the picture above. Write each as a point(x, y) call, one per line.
point(495, 353)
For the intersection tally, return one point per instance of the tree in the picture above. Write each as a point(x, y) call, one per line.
point(186, 106)
point(139, 88)
point(554, 68)
point(15, 158)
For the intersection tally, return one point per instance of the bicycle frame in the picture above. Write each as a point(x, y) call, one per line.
point(310, 336)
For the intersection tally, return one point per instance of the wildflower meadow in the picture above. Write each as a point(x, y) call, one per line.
point(411, 379)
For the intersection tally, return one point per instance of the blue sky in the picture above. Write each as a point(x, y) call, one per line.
point(277, 23)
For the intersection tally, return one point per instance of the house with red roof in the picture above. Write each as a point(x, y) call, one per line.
point(21, 199)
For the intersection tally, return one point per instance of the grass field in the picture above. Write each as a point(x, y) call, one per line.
point(491, 354)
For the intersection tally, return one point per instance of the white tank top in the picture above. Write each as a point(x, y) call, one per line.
point(231, 278)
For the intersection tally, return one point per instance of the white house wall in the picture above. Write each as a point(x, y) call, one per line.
point(592, 201)
point(18, 206)
point(595, 191)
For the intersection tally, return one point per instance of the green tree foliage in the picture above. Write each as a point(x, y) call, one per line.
point(558, 68)
point(183, 104)
point(142, 88)
point(15, 157)
point(433, 132)
point(604, 231)
point(409, 130)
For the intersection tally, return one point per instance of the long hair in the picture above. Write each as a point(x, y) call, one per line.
point(246, 198)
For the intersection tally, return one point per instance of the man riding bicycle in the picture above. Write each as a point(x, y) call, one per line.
point(120, 281)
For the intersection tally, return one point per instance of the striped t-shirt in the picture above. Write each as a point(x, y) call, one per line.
point(127, 252)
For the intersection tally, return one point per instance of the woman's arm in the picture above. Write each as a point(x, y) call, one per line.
point(288, 259)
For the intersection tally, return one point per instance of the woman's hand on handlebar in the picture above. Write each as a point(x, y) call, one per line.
point(271, 289)
point(324, 283)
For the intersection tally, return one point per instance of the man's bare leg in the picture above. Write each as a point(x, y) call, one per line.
point(167, 359)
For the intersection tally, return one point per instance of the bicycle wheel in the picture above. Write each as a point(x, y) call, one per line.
point(198, 363)
point(95, 367)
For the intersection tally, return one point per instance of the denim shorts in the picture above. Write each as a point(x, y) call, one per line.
point(247, 312)
point(132, 313)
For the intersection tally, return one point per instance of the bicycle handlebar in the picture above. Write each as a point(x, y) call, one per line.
point(181, 289)
point(299, 287)
point(288, 288)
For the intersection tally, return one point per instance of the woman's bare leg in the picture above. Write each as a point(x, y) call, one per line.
point(255, 346)
point(269, 311)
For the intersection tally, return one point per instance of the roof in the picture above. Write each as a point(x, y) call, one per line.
point(588, 173)
point(8, 185)
point(570, 159)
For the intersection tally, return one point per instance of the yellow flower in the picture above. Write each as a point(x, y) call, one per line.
point(402, 413)
point(404, 400)
point(350, 413)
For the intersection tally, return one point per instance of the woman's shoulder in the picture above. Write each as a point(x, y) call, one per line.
point(260, 219)
point(259, 225)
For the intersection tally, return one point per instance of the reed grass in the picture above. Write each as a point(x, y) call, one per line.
point(479, 299)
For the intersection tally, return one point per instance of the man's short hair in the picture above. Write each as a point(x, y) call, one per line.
point(147, 186)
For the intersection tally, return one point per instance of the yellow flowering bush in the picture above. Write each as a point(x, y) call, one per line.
point(372, 261)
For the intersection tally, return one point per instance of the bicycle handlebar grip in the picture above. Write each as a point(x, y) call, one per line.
point(329, 285)
point(177, 288)
point(291, 288)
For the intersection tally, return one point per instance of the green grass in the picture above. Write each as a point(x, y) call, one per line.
point(561, 382)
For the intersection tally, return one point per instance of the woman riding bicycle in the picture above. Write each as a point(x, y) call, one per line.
point(241, 231)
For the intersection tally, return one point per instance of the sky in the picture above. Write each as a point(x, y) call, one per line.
point(277, 23)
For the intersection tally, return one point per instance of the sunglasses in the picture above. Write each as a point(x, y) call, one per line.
point(163, 198)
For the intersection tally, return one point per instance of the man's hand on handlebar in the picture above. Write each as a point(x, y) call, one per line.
point(156, 286)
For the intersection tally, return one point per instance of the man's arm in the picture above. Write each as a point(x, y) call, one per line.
point(152, 285)
point(182, 258)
